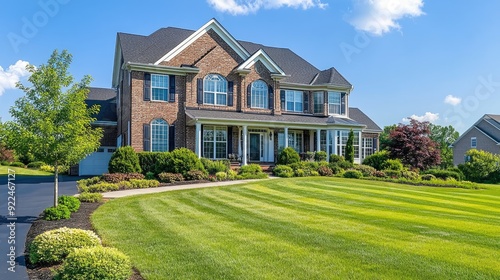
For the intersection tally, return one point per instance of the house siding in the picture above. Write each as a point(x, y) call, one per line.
point(463, 145)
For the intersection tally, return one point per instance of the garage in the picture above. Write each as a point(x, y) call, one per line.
point(97, 162)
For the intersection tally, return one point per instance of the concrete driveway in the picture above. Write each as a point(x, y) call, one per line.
point(32, 195)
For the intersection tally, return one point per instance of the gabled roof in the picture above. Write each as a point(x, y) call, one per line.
point(106, 99)
point(357, 115)
point(167, 42)
point(264, 58)
point(493, 120)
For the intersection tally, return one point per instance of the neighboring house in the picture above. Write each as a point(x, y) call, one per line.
point(224, 98)
point(97, 162)
point(483, 135)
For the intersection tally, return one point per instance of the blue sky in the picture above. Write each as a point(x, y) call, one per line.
point(431, 60)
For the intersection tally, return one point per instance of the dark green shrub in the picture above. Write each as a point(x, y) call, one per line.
point(214, 166)
point(167, 177)
point(309, 156)
point(149, 161)
point(428, 177)
point(325, 171)
point(17, 164)
point(90, 197)
point(35, 164)
point(162, 164)
point(250, 169)
point(71, 202)
point(4, 163)
point(320, 156)
point(184, 160)
point(345, 164)
point(288, 156)
point(95, 263)
point(144, 184)
point(377, 159)
point(392, 164)
point(195, 175)
point(284, 171)
point(366, 170)
point(124, 160)
point(150, 176)
point(56, 213)
point(443, 174)
point(298, 165)
point(335, 168)
point(352, 174)
point(336, 158)
point(52, 246)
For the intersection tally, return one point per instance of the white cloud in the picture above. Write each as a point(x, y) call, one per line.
point(9, 77)
point(427, 117)
point(452, 100)
point(380, 16)
point(243, 7)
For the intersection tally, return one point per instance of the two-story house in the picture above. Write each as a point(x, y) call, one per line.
point(220, 97)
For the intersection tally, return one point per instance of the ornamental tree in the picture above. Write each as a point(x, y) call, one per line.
point(413, 146)
point(349, 148)
point(52, 121)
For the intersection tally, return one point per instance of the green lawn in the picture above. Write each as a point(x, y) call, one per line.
point(308, 228)
point(23, 171)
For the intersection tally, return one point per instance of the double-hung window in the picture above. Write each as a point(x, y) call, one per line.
point(295, 140)
point(367, 147)
point(214, 142)
point(159, 135)
point(473, 142)
point(215, 90)
point(334, 103)
point(259, 93)
point(319, 101)
point(159, 87)
point(294, 100)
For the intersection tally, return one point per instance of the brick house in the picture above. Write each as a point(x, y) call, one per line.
point(483, 135)
point(224, 98)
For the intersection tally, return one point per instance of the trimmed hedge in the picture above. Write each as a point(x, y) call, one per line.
point(52, 246)
point(95, 263)
point(100, 187)
point(288, 156)
point(195, 175)
point(167, 177)
point(352, 174)
point(444, 174)
point(71, 202)
point(182, 161)
point(144, 184)
point(56, 213)
point(118, 177)
point(35, 164)
point(124, 160)
point(90, 197)
point(283, 171)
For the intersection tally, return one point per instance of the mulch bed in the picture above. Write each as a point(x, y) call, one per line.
point(79, 219)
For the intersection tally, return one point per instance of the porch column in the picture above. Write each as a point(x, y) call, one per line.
point(197, 140)
point(328, 145)
point(244, 155)
point(239, 141)
point(311, 140)
point(318, 140)
point(286, 137)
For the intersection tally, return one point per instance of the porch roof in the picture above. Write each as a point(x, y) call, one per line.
point(285, 120)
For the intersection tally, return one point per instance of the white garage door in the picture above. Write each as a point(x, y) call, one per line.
point(97, 162)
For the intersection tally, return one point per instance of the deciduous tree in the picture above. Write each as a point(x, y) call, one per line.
point(52, 120)
point(444, 136)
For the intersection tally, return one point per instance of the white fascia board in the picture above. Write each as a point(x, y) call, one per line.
point(161, 69)
point(323, 87)
point(219, 29)
point(263, 57)
point(116, 64)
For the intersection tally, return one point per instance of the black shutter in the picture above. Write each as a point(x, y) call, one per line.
point(230, 140)
point(375, 147)
point(282, 99)
point(306, 102)
point(199, 84)
point(171, 138)
point(171, 88)
point(249, 95)
point(271, 97)
point(147, 87)
point(230, 90)
point(146, 136)
point(342, 103)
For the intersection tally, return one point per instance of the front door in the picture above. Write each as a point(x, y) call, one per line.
point(256, 147)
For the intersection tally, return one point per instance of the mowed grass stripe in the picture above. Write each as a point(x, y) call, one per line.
point(277, 230)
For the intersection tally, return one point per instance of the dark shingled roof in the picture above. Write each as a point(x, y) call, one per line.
point(149, 49)
point(285, 119)
point(357, 115)
point(106, 98)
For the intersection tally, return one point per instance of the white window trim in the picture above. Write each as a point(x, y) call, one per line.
point(475, 141)
point(339, 104)
point(167, 88)
point(214, 141)
point(151, 135)
point(266, 96)
point(294, 102)
point(215, 92)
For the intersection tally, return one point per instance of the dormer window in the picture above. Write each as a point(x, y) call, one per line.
point(215, 90)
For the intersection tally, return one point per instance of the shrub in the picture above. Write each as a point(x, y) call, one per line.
point(300, 173)
point(409, 175)
point(253, 169)
point(284, 171)
point(252, 176)
point(4, 163)
point(101, 187)
point(150, 176)
point(352, 174)
point(221, 176)
point(184, 160)
point(443, 174)
point(53, 245)
point(71, 202)
point(125, 185)
point(167, 177)
point(148, 161)
point(309, 156)
point(47, 168)
point(144, 184)
point(214, 166)
point(392, 174)
point(298, 165)
point(379, 174)
point(124, 160)
point(231, 174)
point(118, 177)
point(17, 164)
point(366, 170)
point(377, 159)
point(428, 177)
point(89, 181)
point(35, 164)
point(345, 164)
point(288, 156)
point(325, 171)
point(56, 213)
point(314, 173)
point(392, 164)
point(162, 163)
point(335, 168)
point(195, 175)
point(336, 158)
point(320, 156)
point(95, 263)
point(90, 197)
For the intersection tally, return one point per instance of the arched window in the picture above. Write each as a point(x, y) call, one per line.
point(215, 90)
point(260, 98)
point(159, 135)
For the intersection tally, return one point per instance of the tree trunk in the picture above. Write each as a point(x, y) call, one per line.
point(56, 184)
